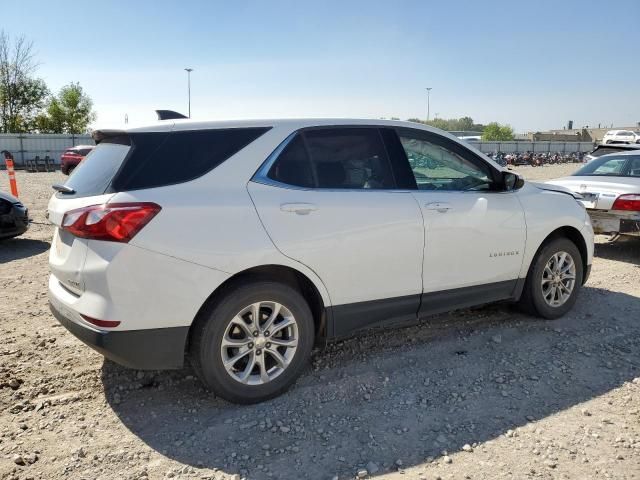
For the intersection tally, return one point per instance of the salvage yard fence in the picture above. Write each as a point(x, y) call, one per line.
point(25, 147)
point(521, 146)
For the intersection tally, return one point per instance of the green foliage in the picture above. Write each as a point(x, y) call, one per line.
point(71, 111)
point(496, 132)
point(22, 101)
point(465, 124)
point(25, 102)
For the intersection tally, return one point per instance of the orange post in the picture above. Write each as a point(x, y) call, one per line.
point(8, 160)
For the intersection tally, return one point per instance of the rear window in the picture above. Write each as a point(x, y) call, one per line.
point(598, 152)
point(605, 166)
point(94, 174)
point(154, 159)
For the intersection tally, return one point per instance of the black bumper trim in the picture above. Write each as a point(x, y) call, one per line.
point(587, 272)
point(149, 349)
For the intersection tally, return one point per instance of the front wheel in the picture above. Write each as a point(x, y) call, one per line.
point(254, 342)
point(554, 279)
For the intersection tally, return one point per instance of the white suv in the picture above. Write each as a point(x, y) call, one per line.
point(241, 245)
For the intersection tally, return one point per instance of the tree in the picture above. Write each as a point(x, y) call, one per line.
point(451, 124)
point(22, 96)
point(496, 132)
point(71, 111)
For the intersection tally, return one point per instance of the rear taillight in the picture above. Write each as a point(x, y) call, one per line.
point(627, 202)
point(112, 222)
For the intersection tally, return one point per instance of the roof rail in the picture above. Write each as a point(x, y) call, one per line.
point(169, 115)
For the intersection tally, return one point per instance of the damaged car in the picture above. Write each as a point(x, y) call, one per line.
point(610, 190)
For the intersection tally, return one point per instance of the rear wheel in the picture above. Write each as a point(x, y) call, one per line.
point(554, 279)
point(253, 343)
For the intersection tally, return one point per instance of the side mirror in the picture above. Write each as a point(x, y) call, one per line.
point(511, 181)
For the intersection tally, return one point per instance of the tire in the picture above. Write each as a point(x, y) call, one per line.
point(221, 320)
point(533, 296)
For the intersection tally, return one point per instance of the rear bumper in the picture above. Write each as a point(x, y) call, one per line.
point(149, 349)
point(606, 222)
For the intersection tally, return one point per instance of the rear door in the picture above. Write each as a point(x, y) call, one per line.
point(329, 199)
point(87, 186)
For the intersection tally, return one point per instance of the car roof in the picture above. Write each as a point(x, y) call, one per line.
point(293, 123)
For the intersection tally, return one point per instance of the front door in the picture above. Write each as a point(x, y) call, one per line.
point(474, 233)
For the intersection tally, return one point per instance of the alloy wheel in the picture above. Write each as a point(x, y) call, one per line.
point(259, 343)
point(558, 279)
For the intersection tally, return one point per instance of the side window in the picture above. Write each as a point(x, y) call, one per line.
point(634, 167)
point(439, 166)
point(293, 166)
point(349, 158)
point(154, 155)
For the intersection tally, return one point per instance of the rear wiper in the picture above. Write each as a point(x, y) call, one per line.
point(63, 188)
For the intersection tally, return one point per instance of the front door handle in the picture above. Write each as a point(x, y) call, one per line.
point(299, 208)
point(441, 207)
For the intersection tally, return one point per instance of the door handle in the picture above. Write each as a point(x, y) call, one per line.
point(299, 208)
point(441, 207)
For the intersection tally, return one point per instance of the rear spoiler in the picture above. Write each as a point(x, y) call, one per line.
point(169, 115)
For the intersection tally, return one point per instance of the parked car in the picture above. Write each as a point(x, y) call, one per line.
point(601, 150)
point(619, 136)
point(270, 237)
point(71, 157)
point(14, 217)
point(610, 187)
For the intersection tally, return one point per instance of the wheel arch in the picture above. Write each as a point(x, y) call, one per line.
point(570, 233)
point(278, 273)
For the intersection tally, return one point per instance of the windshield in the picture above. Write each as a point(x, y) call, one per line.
point(613, 166)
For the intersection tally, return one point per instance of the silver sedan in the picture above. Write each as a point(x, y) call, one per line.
point(610, 190)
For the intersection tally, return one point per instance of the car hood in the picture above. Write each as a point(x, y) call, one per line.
point(8, 198)
point(555, 188)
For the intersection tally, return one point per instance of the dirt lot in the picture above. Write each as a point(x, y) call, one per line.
point(480, 394)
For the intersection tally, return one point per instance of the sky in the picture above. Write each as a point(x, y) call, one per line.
point(533, 65)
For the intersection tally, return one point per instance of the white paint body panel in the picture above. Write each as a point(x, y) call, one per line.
point(365, 245)
point(465, 243)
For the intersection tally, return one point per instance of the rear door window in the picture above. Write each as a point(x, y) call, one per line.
point(293, 166)
point(349, 158)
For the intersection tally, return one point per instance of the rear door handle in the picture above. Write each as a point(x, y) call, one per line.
point(441, 207)
point(299, 208)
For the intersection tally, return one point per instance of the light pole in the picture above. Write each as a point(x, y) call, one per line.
point(428, 102)
point(189, 70)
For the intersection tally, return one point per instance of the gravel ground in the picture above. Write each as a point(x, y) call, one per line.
point(481, 394)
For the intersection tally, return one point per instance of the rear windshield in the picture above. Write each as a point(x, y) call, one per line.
point(598, 152)
point(154, 159)
point(611, 166)
point(94, 174)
